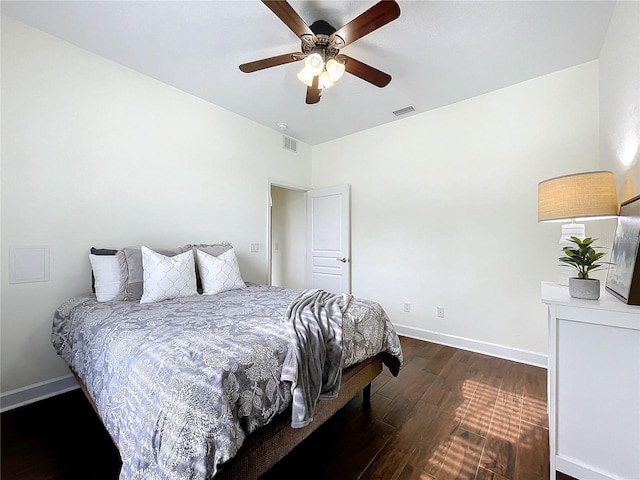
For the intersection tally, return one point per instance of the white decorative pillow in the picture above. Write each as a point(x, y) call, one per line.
point(106, 271)
point(167, 277)
point(214, 249)
point(130, 259)
point(219, 274)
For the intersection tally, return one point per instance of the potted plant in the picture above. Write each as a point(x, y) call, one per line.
point(584, 259)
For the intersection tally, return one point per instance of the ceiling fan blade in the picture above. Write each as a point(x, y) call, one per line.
point(291, 19)
point(366, 72)
point(313, 92)
point(380, 14)
point(271, 62)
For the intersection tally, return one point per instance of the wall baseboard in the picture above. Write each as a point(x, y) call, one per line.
point(578, 469)
point(38, 391)
point(494, 350)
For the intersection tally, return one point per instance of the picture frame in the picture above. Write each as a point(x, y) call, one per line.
point(623, 276)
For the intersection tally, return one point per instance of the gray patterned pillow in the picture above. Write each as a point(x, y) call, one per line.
point(167, 277)
point(214, 249)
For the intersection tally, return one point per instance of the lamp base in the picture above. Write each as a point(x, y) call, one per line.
point(568, 230)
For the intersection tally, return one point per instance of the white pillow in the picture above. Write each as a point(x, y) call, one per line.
point(219, 274)
point(106, 271)
point(167, 277)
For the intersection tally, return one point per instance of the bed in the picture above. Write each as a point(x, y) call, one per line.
point(200, 385)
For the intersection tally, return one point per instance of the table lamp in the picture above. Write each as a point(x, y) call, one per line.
point(581, 196)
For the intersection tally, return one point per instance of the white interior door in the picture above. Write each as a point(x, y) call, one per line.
point(329, 239)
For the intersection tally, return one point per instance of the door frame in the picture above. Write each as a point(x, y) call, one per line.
point(289, 186)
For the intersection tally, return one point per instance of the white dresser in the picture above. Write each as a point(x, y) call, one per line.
point(594, 385)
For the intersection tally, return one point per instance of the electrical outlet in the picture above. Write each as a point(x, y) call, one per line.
point(255, 247)
point(407, 307)
point(440, 312)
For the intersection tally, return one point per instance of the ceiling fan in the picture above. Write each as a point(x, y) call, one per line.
point(321, 44)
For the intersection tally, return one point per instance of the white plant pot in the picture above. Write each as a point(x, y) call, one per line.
point(584, 288)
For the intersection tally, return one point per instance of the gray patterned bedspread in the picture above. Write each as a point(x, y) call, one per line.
point(180, 383)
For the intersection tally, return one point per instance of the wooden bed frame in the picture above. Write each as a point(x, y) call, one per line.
point(266, 446)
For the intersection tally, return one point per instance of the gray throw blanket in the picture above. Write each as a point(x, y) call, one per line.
point(314, 360)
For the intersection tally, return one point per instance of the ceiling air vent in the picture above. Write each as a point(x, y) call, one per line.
point(404, 111)
point(290, 144)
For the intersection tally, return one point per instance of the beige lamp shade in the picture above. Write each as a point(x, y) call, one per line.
point(582, 196)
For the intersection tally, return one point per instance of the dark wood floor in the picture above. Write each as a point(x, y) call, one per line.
point(57, 438)
point(451, 414)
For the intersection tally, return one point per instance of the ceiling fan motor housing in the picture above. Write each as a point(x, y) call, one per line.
point(320, 27)
point(323, 31)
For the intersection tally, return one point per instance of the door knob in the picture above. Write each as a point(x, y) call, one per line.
point(342, 259)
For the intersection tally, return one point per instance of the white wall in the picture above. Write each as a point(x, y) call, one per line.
point(94, 154)
point(444, 206)
point(620, 99)
point(288, 236)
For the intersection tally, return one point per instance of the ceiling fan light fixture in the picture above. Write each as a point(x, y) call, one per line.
point(314, 63)
point(335, 69)
point(306, 77)
point(324, 80)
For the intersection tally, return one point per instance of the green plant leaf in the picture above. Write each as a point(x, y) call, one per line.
point(584, 258)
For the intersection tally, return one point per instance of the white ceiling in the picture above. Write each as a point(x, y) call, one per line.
point(438, 52)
